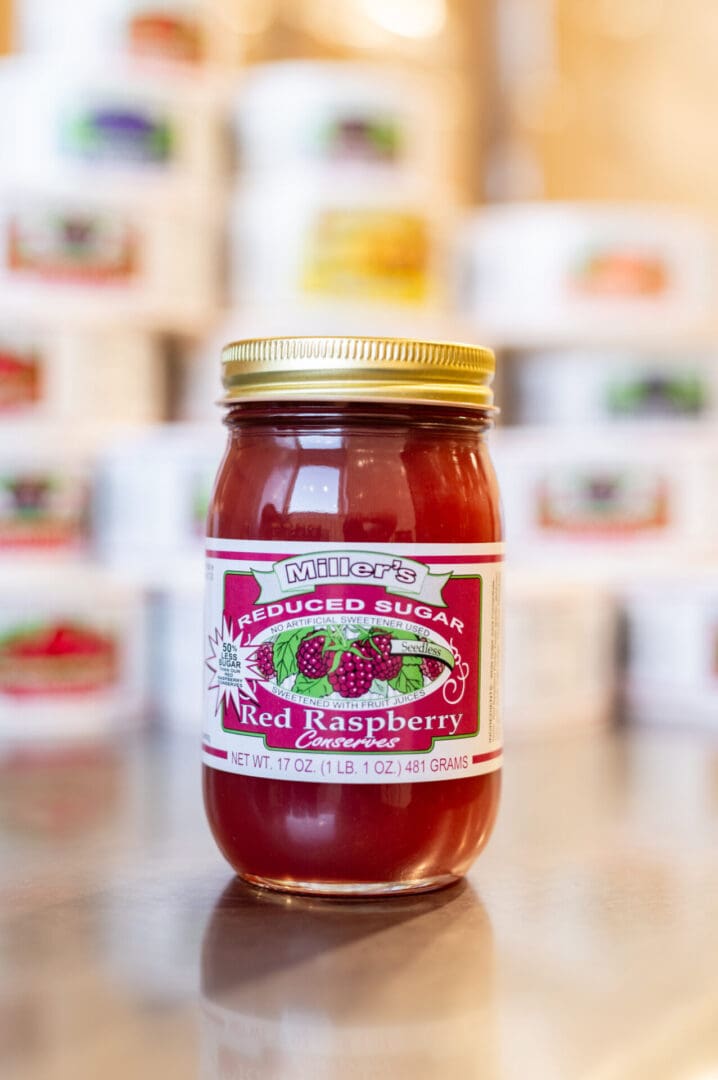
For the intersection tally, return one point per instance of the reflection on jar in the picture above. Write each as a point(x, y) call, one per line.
point(302, 989)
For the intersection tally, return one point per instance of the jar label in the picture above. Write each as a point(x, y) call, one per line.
point(72, 247)
point(340, 663)
point(607, 271)
point(361, 136)
point(113, 133)
point(56, 657)
point(368, 254)
point(165, 35)
point(603, 501)
point(21, 378)
point(43, 510)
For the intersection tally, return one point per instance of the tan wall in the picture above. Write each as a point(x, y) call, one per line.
point(5, 26)
point(628, 109)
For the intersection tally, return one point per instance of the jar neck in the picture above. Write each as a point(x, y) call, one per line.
point(340, 414)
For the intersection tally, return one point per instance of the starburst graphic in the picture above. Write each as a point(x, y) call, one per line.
point(231, 663)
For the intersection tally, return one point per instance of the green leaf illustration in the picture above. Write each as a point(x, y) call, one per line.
point(408, 679)
point(285, 652)
point(312, 687)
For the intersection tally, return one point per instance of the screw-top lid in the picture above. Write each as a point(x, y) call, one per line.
point(357, 368)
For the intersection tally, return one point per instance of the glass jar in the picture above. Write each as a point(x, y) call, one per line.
point(352, 740)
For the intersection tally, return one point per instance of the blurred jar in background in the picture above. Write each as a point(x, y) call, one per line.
point(44, 494)
point(445, 40)
point(100, 119)
point(346, 193)
point(153, 490)
point(671, 675)
point(176, 640)
point(621, 499)
point(173, 32)
point(537, 273)
point(49, 376)
point(335, 116)
point(72, 656)
point(115, 253)
point(560, 653)
point(362, 242)
point(594, 386)
point(163, 30)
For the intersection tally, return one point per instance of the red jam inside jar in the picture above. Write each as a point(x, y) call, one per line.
point(351, 739)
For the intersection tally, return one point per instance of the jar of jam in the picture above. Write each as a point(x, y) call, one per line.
point(352, 739)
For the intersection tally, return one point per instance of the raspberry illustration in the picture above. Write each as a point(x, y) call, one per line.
point(264, 660)
point(430, 668)
point(353, 675)
point(385, 665)
point(311, 660)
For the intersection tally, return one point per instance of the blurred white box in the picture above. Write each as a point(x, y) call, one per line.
point(671, 676)
point(530, 273)
point(114, 252)
point(178, 654)
point(99, 119)
point(306, 238)
point(55, 374)
point(340, 116)
point(72, 656)
point(165, 30)
point(560, 653)
point(628, 494)
point(607, 386)
point(45, 494)
point(152, 496)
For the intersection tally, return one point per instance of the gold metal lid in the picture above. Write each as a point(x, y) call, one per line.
point(357, 368)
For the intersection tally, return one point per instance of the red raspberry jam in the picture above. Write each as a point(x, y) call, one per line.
point(352, 742)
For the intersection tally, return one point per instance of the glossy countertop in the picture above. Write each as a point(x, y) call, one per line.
point(583, 945)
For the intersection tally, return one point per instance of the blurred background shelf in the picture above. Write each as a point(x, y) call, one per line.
point(655, 339)
point(185, 173)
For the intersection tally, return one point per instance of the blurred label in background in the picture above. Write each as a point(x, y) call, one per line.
point(368, 254)
point(71, 246)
